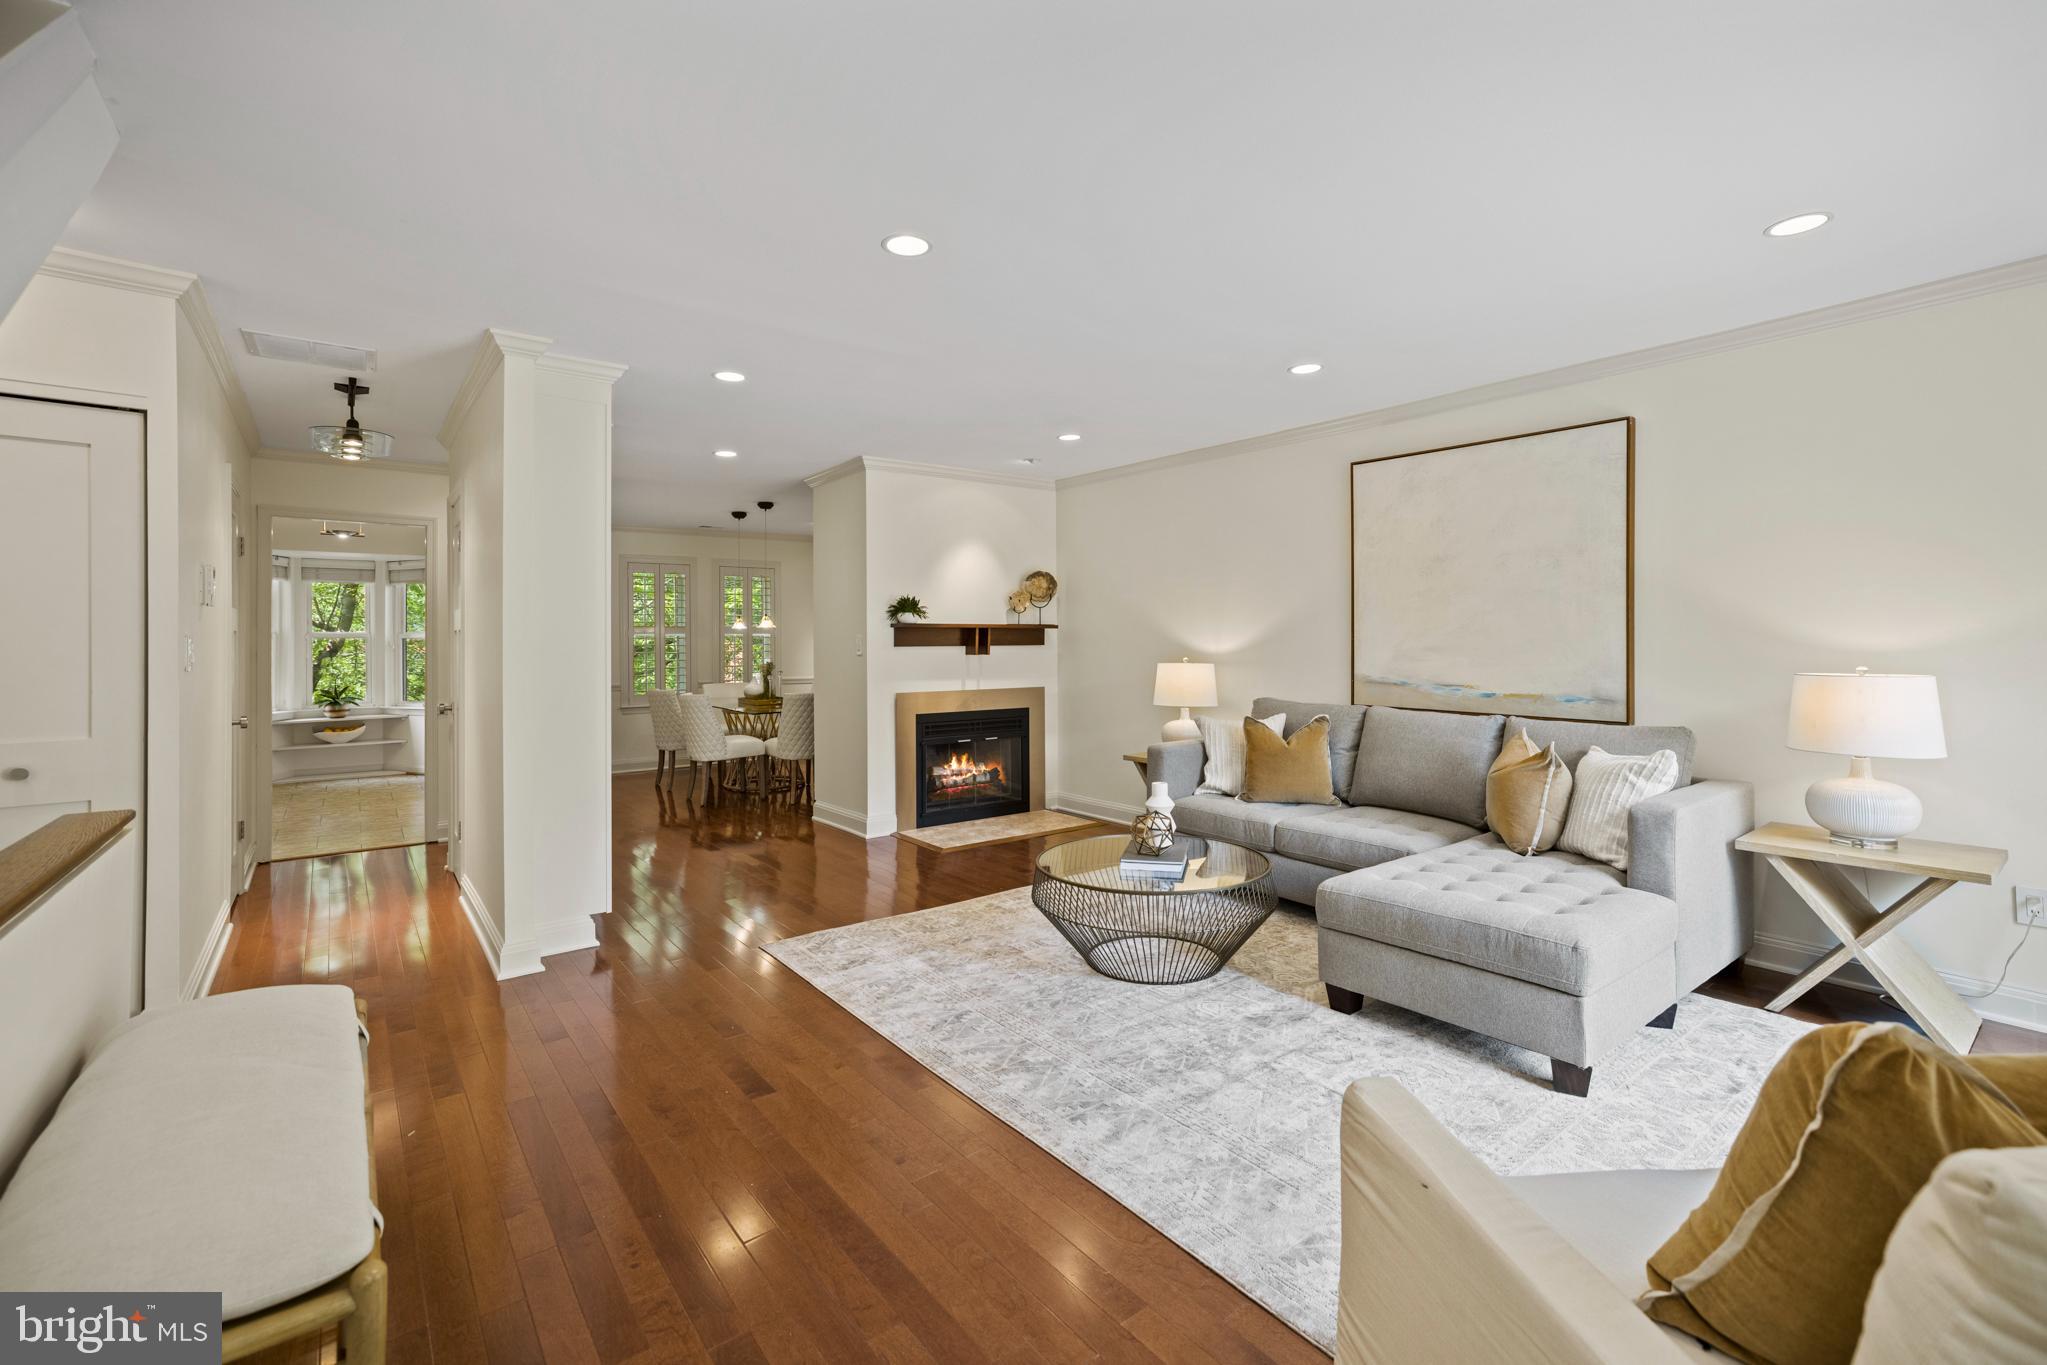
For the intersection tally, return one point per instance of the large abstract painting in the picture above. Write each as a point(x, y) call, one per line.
point(1497, 577)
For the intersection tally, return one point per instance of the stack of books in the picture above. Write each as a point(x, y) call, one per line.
point(1167, 865)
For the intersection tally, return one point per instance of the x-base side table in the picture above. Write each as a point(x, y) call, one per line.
point(1813, 864)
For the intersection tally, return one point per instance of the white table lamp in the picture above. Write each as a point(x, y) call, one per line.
point(1183, 685)
point(1865, 715)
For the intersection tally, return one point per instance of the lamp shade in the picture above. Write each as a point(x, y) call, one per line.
point(1184, 684)
point(1868, 715)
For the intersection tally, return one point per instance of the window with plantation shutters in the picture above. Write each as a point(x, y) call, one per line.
point(746, 604)
point(656, 630)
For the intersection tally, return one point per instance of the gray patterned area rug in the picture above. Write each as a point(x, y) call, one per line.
point(1211, 1110)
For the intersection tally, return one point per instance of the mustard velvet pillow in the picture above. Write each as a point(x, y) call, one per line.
point(1775, 1266)
point(1295, 770)
point(1526, 793)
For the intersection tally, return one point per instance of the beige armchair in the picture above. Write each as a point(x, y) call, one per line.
point(1445, 1261)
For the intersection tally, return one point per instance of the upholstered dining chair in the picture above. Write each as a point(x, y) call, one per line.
point(707, 745)
point(796, 742)
point(666, 713)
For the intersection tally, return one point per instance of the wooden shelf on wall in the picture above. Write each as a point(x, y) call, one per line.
point(973, 636)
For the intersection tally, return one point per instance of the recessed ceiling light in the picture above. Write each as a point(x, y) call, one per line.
point(904, 244)
point(1305, 367)
point(1028, 459)
point(1797, 223)
point(730, 376)
point(726, 454)
point(1070, 436)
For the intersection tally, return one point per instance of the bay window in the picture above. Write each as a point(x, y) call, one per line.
point(350, 625)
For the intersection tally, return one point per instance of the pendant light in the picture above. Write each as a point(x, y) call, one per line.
point(767, 621)
point(351, 442)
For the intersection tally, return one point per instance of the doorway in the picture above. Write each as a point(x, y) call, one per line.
point(350, 735)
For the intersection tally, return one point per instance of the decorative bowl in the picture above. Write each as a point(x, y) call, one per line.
point(338, 734)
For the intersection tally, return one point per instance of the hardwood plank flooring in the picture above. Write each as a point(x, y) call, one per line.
point(671, 1148)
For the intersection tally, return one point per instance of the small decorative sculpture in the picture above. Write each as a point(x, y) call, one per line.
point(1154, 829)
point(1019, 602)
point(1040, 587)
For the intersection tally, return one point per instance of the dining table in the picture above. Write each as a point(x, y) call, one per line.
point(759, 717)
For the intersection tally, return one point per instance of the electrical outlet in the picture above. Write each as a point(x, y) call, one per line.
point(2029, 905)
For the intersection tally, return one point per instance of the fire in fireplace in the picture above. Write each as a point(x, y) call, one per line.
point(972, 765)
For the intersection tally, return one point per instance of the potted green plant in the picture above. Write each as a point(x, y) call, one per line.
point(905, 605)
point(336, 697)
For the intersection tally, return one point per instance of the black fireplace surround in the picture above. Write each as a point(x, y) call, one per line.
point(972, 765)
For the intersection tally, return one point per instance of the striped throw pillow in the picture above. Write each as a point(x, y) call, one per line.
point(1604, 790)
point(1223, 774)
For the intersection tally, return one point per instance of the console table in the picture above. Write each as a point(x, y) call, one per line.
point(1812, 863)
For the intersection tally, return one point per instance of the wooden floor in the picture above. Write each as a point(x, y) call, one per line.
point(672, 1148)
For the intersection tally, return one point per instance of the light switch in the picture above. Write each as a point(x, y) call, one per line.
point(191, 654)
point(206, 585)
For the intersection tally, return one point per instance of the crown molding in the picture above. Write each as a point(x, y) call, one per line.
point(491, 351)
point(604, 370)
point(192, 303)
point(2016, 275)
point(86, 267)
point(314, 457)
point(718, 531)
point(862, 463)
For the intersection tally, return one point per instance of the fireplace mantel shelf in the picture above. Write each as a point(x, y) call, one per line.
point(976, 637)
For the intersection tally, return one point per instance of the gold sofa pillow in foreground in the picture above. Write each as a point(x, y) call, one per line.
point(1295, 770)
point(1527, 791)
point(1775, 1266)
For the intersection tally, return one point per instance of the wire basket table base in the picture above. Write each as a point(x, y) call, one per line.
point(1150, 938)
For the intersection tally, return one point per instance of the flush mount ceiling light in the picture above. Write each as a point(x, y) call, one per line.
point(349, 441)
point(1305, 367)
point(1797, 223)
point(729, 376)
point(905, 244)
point(1071, 436)
point(342, 532)
point(1028, 459)
point(726, 454)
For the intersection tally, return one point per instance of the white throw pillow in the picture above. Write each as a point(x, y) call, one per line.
point(1963, 1269)
point(1223, 775)
point(1603, 790)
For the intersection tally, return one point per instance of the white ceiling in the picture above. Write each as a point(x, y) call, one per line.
point(1142, 212)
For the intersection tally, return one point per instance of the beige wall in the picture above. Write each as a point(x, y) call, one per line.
point(960, 542)
point(529, 443)
point(213, 459)
point(1864, 495)
point(844, 632)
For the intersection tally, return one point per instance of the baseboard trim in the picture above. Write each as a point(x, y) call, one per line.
point(524, 957)
point(638, 763)
point(475, 907)
point(210, 958)
point(1115, 812)
point(2015, 1005)
point(853, 822)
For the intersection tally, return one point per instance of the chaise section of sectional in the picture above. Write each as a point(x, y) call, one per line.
point(1553, 952)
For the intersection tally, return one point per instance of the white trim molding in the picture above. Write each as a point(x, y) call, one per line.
point(861, 463)
point(2016, 275)
point(88, 267)
point(207, 965)
point(853, 822)
point(308, 457)
point(490, 354)
point(476, 908)
point(524, 957)
point(2014, 1005)
point(192, 303)
point(1114, 812)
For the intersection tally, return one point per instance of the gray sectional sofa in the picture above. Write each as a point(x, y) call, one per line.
point(1418, 905)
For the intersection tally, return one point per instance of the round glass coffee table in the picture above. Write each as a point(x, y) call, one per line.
point(1157, 933)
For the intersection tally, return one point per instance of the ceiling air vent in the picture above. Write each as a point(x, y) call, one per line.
point(271, 346)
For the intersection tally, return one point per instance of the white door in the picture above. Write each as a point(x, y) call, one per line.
point(238, 754)
point(71, 600)
point(450, 690)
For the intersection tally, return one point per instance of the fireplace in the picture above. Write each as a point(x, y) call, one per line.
point(970, 765)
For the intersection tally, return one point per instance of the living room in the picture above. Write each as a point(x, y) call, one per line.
point(1158, 684)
